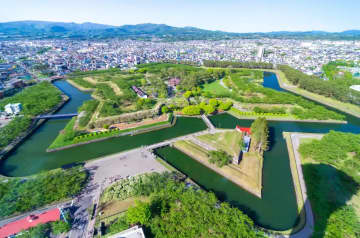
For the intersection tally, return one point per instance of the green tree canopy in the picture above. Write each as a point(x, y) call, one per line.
point(260, 134)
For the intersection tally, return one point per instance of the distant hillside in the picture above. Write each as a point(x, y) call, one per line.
point(88, 30)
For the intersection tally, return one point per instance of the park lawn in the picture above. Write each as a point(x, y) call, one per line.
point(114, 207)
point(115, 87)
point(61, 139)
point(215, 87)
point(81, 84)
point(342, 106)
point(227, 141)
point(248, 174)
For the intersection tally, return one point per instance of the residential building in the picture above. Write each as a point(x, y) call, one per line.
point(13, 109)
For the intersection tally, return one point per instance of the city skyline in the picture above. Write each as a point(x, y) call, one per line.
point(230, 16)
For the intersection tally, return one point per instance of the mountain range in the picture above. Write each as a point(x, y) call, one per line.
point(88, 30)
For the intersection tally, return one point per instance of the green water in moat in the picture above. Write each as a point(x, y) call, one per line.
point(277, 208)
point(31, 157)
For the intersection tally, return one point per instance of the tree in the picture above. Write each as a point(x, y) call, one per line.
point(191, 110)
point(140, 213)
point(187, 94)
point(260, 134)
point(214, 102)
point(208, 109)
point(59, 227)
point(220, 158)
point(165, 109)
point(225, 105)
point(143, 82)
point(185, 212)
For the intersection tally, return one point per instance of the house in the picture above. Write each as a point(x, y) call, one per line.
point(13, 109)
point(15, 227)
point(139, 92)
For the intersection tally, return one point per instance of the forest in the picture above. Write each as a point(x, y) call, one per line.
point(18, 195)
point(233, 64)
point(336, 88)
point(174, 208)
point(35, 100)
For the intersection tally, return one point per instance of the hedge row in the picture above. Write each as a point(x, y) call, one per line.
point(241, 113)
point(116, 131)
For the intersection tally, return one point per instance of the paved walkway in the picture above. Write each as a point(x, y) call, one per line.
point(202, 144)
point(208, 122)
point(223, 84)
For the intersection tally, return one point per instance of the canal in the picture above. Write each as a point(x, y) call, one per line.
point(277, 208)
point(31, 156)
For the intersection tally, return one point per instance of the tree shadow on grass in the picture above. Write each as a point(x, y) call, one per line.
point(329, 190)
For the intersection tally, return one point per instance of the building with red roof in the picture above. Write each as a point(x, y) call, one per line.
point(243, 129)
point(15, 227)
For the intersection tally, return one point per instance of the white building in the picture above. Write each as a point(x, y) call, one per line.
point(260, 54)
point(133, 232)
point(13, 109)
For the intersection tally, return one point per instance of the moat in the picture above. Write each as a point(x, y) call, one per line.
point(276, 210)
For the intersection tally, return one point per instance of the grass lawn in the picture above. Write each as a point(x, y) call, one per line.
point(215, 87)
point(114, 86)
point(65, 137)
point(61, 139)
point(114, 207)
point(248, 174)
point(226, 141)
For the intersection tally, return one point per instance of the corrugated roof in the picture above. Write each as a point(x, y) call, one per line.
point(28, 222)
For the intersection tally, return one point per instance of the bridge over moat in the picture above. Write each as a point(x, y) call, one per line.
point(56, 116)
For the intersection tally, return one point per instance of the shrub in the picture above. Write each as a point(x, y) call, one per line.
point(220, 158)
point(192, 110)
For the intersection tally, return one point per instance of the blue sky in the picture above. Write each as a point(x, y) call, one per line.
point(226, 15)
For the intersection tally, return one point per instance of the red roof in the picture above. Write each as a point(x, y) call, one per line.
point(244, 129)
point(28, 222)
